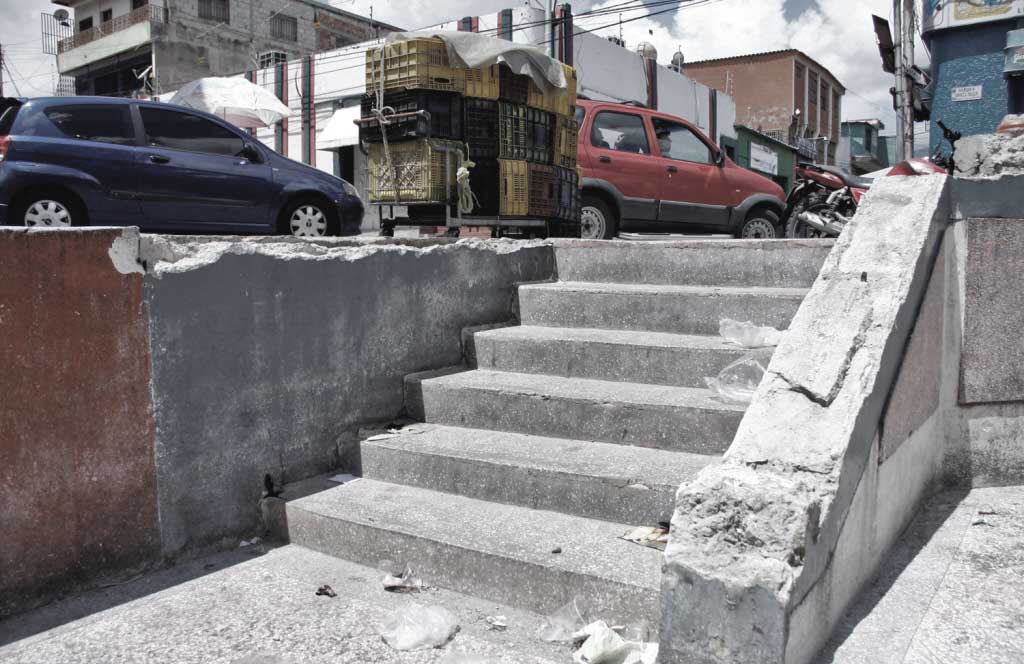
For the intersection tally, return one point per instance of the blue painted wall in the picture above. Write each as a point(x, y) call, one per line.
point(968, 56)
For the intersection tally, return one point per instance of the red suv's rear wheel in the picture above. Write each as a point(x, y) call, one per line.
point(597, 219)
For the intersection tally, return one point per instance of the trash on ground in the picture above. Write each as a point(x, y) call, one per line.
point(602, 645)
point(326, 591)
point(566, 621)
point(497, 623)
point(738, 381)
point(654, 537)
point(557, 549)
point(466, 658)
point(245, 543)
point(415, 626)
point(748, 335)
point(402, 583)
point(344, 478)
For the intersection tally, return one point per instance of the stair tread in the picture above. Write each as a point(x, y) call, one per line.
point(637, 338)
point(657, 289)
point(608, 461)
point(589, 547)
point(584, 389)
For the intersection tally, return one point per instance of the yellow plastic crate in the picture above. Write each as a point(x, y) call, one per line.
point(560, 104)
point(566, 137)
point(515, 188)
point(482, 82)
point(418, 172)
point(413, 64)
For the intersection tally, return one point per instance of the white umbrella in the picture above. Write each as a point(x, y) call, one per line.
point(234, 99)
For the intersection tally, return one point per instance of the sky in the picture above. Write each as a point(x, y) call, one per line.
point(836, 33)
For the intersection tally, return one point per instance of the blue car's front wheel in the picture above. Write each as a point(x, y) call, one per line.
point(310, 218)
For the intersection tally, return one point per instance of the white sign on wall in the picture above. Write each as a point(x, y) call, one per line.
point(967, 93)
point(940, 14)
point(764, 159)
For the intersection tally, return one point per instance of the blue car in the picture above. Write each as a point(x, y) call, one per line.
point(76, 161)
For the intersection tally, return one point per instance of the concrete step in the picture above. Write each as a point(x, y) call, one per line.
point(788, 263)
point(654, 308)
point(683, 419)
point(496, 552)
point(656, 358)
point(616, 483)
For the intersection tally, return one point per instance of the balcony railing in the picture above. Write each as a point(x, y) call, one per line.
point(147, 14)
point(781, 135)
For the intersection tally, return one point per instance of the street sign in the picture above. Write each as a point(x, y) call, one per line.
point(763, 159)
point(967, 93)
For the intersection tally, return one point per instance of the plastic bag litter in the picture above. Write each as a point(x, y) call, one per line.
point(603, 645)
point(402, 583)
point(748, 335)
point(561, 625)
point(416, 626)
point(738, 381)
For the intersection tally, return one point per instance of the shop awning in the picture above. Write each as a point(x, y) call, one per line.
point(340, 131)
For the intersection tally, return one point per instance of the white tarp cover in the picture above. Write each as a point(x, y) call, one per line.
point(340, 131)
point(234, 99)
point(471, 50)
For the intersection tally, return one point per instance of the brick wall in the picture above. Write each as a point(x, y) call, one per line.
point(762, 88)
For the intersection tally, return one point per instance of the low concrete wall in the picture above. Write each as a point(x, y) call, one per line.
point(985, 434)
point(148, 384)
point(77, 479)
point(267, 356)
point(831, 459)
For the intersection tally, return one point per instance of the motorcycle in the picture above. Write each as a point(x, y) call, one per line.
point(825, 198)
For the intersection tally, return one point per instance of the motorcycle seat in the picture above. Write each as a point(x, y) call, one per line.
point(848, 179)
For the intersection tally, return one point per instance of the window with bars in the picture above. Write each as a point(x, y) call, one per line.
point(812, 87)
point(824, 99)
point(106, 15)
point(215, 10)
point(139, 4)
point(272, 59)
point(284, 27)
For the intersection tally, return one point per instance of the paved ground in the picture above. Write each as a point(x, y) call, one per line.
point(257, 606)
point(951, 593)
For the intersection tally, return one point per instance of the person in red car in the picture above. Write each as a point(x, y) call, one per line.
point(645, 171)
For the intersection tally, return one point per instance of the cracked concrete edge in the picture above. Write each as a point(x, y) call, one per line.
point(763, 524)
point(166, 254)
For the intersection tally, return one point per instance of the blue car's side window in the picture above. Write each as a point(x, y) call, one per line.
point(103, 124)
point(184, 131)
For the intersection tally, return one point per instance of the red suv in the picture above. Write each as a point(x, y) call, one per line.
point(649, 171)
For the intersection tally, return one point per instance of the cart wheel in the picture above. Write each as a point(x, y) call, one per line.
point(495, 232)
point(452, 232)
point(387, 230)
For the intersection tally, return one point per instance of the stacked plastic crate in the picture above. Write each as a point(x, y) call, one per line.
point(521, 140)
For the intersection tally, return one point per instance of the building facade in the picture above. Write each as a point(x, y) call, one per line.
point(763, 154)
point(148, 47)
point(862, 148)
point(784, 94)
point(977, 53)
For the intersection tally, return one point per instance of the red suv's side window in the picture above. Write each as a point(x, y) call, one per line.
point(677, 141)
point(623, 132)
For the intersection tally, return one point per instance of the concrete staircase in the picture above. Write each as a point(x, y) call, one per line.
point(573, 426)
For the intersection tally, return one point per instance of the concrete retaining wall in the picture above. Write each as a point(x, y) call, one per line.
point(268, 356)
point(77, 480)
point(832, 457)
point(148, 385)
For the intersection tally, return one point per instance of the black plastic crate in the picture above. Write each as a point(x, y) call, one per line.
point(512, 133)
point(484, 180)
point(481, 125)
point(445, 109)
point(540, 131)
point(568, 194)
point(512, 87)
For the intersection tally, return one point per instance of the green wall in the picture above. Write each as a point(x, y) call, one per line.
point(786, 154)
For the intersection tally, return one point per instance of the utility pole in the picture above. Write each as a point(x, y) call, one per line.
point(903, 18)
point(907, 108)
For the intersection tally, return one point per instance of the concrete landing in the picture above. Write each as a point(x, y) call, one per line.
point(246, 608)
point(951, 592)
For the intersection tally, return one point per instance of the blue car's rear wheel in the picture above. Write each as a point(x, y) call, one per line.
point(47, 210)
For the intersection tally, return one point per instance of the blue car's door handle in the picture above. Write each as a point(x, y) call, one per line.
point(158, 159)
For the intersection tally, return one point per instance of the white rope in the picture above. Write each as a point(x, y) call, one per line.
point(467, 199)
point(381, 113)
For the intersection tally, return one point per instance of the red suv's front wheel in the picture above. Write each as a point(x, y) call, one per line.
point(761, 225)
